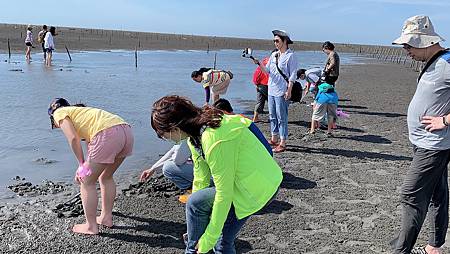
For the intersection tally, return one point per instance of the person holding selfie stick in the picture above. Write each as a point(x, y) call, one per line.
point(281, 63)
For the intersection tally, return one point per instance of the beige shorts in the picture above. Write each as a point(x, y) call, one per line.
point(320, 110)
point(109, 144)
point(222, 87)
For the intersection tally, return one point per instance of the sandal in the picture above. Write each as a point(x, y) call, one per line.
point(279, 149)
point(419, 250)
point(273, 143)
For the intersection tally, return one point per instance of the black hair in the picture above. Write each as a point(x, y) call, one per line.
point(53, 30)
point(200, 72)
point(44, 27)
point(224, 105)
point(300, 72)
point(284, 39)
point(328, 45)
point(59, 103)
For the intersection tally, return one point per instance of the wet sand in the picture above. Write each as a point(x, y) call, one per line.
point(339, 194)
point(100, 39)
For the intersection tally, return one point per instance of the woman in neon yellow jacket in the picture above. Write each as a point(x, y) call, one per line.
point(246, 177)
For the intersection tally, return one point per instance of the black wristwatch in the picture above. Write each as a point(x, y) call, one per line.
point(444, 121)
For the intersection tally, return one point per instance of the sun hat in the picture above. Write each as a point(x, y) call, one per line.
point(283, 33)
point(418, 32)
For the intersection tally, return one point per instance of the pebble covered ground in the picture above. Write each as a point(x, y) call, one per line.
point(339, 194)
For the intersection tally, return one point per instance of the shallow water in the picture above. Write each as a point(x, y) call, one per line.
point(108, 80)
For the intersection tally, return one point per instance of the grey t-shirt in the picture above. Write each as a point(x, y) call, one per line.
point(432, 98)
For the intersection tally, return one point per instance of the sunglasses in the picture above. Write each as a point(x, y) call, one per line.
point(276, 41)
point(407, 47)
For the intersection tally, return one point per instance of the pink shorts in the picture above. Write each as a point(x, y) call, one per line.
point(109, 144)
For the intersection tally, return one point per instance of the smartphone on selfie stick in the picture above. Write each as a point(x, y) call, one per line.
point(247, 53)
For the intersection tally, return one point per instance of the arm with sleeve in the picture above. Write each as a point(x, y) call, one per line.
point(332, 63)
point(181, 153)
point(202, 174)
point(224, 178)
point(159, 164)
point(257, 76)
point(292, 68)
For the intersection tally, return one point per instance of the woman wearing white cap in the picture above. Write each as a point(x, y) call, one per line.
point(282, 70)
point(425, 187)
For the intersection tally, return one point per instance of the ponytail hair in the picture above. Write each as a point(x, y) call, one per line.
point(176, 111)
point(200, 72)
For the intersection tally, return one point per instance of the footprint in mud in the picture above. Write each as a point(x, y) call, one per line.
point(380, 172)
point(299, 203)
point(275, 240)
point(374, 200)
point(321, 250)
point(357, 243)
point(308, 232)
point(349, 181)
point(342, 227)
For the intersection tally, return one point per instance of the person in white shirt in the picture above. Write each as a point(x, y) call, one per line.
point(311, 76)
point(176, 166)
point(29, 42)
point(49, 44)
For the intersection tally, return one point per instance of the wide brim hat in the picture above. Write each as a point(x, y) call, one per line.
point(283, 33)
point(418, 32)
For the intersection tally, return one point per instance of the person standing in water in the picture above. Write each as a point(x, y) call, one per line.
point(29, 42)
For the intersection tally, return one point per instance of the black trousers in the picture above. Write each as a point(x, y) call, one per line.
point(331, 79)
point(261, 97)
point(425, 189)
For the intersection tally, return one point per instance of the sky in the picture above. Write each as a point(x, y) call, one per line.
point(345, 21)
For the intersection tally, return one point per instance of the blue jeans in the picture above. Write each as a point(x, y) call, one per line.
point(278, 114)
point(198, 212)
point(182, 176)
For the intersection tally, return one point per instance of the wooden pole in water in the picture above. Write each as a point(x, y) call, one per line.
point(9, 50)
point(68, 53)
point(215, 60)
point(135, 57)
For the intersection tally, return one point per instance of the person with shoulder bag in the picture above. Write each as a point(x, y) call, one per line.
point(282, 70)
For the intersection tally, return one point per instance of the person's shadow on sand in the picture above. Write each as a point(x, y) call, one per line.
point(168, 234)
point(347, 153)
point(296, 183)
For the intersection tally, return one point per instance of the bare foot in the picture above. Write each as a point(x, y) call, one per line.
point(104, 221)
point(432, 250)
point(85, 229)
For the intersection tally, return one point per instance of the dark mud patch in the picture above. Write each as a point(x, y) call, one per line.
point(71, 208)
point(23, 188)
point(156, 187)
point(44, 161)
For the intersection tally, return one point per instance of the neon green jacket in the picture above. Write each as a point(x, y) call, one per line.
point(244, 173)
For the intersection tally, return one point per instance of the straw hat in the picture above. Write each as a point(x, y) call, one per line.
point(30, 27)
point(283, 33)
point(418, 32)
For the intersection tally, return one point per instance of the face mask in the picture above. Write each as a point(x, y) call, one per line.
point(176, 142)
